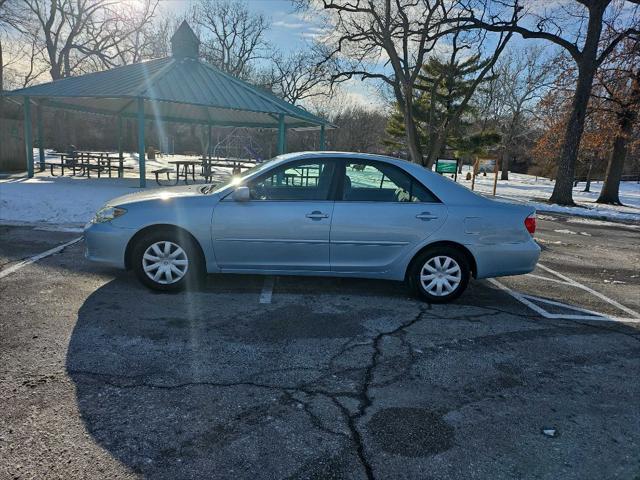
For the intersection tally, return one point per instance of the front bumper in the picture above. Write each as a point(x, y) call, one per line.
point(107, 244)
point(506, 258)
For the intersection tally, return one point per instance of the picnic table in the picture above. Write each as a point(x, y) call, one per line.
point(82, 161)
point(188, 166)
point(235, 163)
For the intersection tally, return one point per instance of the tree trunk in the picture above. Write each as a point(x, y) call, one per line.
point(1, 69)
point(587, 186)
point(1, 82)
point(436, 146)
point(562, 191)
point(610, 192)
point(504, 173)
point(413, 139)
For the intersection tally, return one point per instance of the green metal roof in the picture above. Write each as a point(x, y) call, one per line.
point(179, 89)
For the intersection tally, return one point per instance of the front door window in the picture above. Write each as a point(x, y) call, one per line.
point(302, 181)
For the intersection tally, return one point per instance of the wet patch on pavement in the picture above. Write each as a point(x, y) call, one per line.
point(411, 432)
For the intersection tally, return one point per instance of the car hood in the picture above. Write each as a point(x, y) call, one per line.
point(157, 194)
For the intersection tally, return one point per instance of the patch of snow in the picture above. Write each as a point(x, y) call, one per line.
point(551, 242)
point(57, 200)
point(70, 202)
point(565, 231)
point(600, 223)
point(535, 191)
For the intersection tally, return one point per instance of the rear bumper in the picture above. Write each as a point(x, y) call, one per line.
point(505, 259)
point(106, 244)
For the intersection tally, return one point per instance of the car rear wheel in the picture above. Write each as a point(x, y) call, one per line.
point(440, 274)
point(167, 261)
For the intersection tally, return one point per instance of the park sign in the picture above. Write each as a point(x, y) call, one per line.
point(447, 165)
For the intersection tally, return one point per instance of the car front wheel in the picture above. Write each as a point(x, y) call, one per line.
point(440, 274)
point(167, 261)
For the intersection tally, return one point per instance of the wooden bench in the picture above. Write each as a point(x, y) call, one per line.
point(158, 171)
point(119, 169)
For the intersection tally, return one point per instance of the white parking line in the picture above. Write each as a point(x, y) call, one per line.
point(547, 279)
point(584, 314)
point(593, 292)
point(518, 296)
point(267, 290)
point(35, 258)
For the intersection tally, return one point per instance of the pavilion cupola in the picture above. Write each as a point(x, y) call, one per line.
point(185, 43)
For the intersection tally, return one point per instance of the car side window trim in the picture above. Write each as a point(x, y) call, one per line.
point(341, 172)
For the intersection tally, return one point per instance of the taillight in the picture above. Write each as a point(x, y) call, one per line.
point(530, 223)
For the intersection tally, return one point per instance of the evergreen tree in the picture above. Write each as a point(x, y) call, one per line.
point(441, 109)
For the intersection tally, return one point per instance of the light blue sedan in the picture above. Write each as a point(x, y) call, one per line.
point(318, 213)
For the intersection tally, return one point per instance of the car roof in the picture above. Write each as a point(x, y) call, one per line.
point(347, 155)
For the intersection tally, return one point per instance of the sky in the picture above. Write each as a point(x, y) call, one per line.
point(288, 28)
point(289, 31)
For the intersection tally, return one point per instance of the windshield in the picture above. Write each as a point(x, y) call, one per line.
point(236, 179)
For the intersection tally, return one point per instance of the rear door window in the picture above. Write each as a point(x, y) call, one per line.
point(380, 182)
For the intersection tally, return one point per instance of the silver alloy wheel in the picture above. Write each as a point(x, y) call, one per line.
point(440, 276)
point(165, 262)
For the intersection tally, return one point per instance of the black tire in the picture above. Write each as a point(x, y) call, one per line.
point(194, 271)
point(430, 255)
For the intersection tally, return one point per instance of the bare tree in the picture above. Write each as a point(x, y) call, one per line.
point(59, 26)
point(12, 19)
point(76, 36)
point(618, 85)
point(297, 77)
point(120, 34)
point(360, 129)
point(232, 36)
point(522, 77)
point(576, 27)
point(388, 40)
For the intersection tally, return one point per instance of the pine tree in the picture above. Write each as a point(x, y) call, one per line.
point(441, 111)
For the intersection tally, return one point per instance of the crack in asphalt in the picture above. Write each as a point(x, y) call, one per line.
point(365, 400)
point(302, 393)
point(362, 393)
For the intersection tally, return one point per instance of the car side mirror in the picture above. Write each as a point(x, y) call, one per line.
point(241, 194)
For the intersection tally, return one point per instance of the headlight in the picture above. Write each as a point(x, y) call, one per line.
point(106, 214)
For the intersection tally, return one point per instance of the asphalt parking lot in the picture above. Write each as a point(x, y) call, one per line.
point(314, 378)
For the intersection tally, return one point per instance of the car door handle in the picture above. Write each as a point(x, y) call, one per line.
point(426, 216)
point(316, 215)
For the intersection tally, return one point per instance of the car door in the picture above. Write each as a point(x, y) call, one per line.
point(381, 214)
point(284, 226)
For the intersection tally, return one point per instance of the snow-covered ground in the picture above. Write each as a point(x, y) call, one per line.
point(130, 160)
point(71, 201)
point(536, 190)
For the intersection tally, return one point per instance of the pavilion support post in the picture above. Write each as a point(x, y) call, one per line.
point(28, 140)
point(282, 138)
point(209, 143)
point(40, 138)
point(141, 152)
point(285, 141)
point(322, 137)
point(120, 144)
